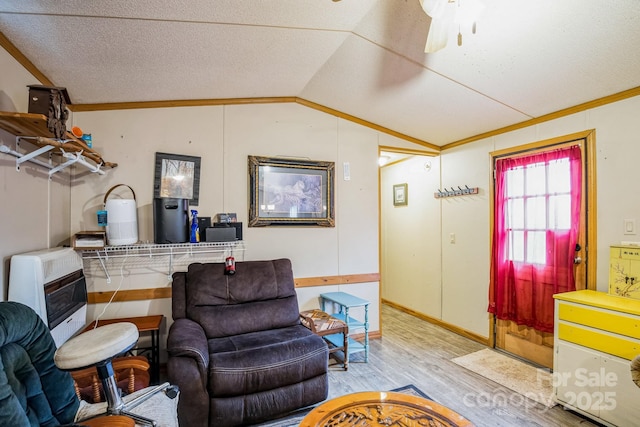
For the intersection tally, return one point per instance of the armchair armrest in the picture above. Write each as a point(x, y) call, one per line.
point(187, 339)
point(187, 367)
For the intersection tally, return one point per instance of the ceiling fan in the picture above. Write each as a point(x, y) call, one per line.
point(445, 14)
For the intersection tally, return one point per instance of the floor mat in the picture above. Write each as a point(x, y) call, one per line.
point(533, 383)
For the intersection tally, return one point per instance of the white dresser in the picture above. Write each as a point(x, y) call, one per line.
point(596, 337)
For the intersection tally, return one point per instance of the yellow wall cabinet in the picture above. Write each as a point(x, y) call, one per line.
point(596, 336)
point(624, 271)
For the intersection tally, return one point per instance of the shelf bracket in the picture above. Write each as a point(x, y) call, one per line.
point(7, 150)
point(73, 159)
point(104, 267)
point(21, 158)
point(170, 264)
point(80, 159)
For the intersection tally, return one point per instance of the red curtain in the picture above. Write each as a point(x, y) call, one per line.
point(520, 290)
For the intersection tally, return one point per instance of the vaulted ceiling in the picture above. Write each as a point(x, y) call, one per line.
point(363, 59)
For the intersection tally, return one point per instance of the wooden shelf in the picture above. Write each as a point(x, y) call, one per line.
point(34, 127)
point(25, 124)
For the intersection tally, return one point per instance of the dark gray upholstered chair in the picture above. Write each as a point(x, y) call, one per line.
point(237, 349)
point(33, 391)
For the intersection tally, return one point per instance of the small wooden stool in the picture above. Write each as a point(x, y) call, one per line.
point(328, 327)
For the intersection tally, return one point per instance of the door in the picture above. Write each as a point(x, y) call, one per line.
point(540, 238)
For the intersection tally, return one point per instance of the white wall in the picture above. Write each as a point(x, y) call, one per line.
point(34, 211)
point(38, 213)
point(411, 239)
point(223, 136)
point(465, 264)
point(409, 271)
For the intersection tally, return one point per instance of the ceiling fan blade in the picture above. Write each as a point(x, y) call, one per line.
point(438, 35)
point(434, 8)
point(441, 17)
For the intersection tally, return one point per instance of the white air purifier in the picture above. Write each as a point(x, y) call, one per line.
point(122, 219)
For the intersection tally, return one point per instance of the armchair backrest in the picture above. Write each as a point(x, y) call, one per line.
point(259, 296)
point(33, 391)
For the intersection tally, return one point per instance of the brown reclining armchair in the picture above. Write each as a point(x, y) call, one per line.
point(237, 350)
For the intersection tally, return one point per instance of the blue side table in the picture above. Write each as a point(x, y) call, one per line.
point(347, 301)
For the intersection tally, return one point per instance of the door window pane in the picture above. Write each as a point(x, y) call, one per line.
point(535, 182)
point(515, 179)
point(538, 199)
point(536, 247)
point(560, 212)
point(515, 213)
point(516, 247)
point(536, 213)
point(559, 176)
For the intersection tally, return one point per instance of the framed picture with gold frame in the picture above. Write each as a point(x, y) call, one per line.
point(284, 191)
point(400, 194)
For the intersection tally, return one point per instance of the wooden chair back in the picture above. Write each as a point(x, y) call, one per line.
point(131, 373)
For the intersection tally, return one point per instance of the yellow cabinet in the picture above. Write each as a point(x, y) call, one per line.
point(624, 271)
point(596, 336)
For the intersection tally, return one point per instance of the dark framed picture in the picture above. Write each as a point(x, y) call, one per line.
point(290, 192)
point(177, 176)
point(400, 195)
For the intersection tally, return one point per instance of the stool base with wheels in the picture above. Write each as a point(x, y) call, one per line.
point(98, 347)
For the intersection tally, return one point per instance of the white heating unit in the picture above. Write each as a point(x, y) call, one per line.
point(52, 283)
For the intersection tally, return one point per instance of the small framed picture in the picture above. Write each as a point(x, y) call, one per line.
point(177, 176)
point(400, 195)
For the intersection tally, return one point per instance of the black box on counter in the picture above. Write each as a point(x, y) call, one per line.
point(204, 222)
point(214, 234)
point(227, 231)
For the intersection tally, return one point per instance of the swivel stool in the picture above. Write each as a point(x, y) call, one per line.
point(98, 347)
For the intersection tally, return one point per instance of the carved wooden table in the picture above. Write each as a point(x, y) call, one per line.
point(109, 421)
point(379, 408)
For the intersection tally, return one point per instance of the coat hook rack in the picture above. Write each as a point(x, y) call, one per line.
point(453, 192)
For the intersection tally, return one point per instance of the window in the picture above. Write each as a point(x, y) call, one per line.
point(538, 199)
point(536, 225)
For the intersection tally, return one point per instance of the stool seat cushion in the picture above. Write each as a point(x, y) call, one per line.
point(96, 345)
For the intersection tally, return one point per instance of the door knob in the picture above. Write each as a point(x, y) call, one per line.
point(577, 260)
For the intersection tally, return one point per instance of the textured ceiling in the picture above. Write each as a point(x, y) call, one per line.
point(364, 58)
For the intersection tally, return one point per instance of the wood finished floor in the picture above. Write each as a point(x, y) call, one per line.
point(412, 351)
